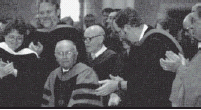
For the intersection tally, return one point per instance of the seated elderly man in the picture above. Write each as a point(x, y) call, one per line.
point(72, 84)
point(104, 61)
point(186, 89)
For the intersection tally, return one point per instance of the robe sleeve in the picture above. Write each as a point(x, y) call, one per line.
point(84, 93)
point(48, 98)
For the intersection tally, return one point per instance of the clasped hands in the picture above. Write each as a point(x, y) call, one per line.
point(108, 87)
point(6, 69)
point(173, 61)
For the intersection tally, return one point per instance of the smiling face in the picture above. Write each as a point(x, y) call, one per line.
point(48, 15)
point(14, 40)
point(66, 54)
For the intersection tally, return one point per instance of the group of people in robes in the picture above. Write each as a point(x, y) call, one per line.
point(58, 66)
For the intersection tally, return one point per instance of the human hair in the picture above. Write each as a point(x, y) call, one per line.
point(89, 16)
point(107, 10)
point(117, 10)
point(20, 26)
point(128, 16)
point(52, 2)
point(68, 20)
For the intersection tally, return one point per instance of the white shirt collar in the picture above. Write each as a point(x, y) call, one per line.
point(103, 49)
point(199, 45)
point(145, 27)
point(65, 70)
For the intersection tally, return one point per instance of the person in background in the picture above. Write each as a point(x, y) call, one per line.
point(89, 20)
point(73, 83)
point(112, 40)
point(186, 86)
point(103, 60)
point(188, 42)
point(19, 76)
point(3, 24)
point(105, 14)
point(67, 20)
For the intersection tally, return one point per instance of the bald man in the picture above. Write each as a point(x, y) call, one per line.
point(188, 42)
point(103, 60)
point(72, 84)
point(186, 89)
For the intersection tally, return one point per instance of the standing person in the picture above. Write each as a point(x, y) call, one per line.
point(20, 79)
point(186, 89)
point(51, 33)
point(148, 84)
point(104, 61)
point(89, 20)
point(105, 14)
point(112, 40)
point(73, 83)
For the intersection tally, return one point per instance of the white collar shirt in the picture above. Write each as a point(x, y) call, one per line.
point(145, 27)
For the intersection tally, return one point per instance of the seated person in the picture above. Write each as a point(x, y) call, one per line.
point(18, 71)
point(72, 84)
point(103, 60)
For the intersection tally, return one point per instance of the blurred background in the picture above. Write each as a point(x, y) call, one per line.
point(151, 10)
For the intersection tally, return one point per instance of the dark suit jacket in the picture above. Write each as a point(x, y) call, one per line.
point(149, 85)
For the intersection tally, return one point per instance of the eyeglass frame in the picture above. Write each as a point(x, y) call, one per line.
point(90, 38)
point(63, 54)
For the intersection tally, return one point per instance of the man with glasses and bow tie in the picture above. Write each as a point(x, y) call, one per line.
point(103, 60)
point(72, 84)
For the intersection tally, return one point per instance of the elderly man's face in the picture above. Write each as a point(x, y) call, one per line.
point(66, 55)
point(92, 40)
point(48, 15)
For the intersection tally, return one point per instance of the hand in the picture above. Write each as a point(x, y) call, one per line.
point(108, 87)
point(172, 62)
point(37, 48)
point(8, 69)
point(114, 100)
point(116, 78)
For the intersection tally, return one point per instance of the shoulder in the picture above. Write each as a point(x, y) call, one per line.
point(81, 68)
point(54, 72)
point(86, 74)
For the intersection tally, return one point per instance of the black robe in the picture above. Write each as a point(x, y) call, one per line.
point(148, 84)
point(23, 90)
point(49, 39)
point(105, 64)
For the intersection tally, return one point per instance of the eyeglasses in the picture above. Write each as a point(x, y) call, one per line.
point(18, 38)
point(88, 39)
point(63, 54)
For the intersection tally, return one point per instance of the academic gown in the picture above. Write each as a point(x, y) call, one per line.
point(23, 90)
point(49, 38)
point(105, 64)
point(75, 88)
point(148, 84)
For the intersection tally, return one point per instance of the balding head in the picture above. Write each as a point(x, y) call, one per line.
point(94, 37)
point(96, 29)
point(65, 43)
point(66, 53)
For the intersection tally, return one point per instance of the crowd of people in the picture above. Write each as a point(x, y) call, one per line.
point(120, 62)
